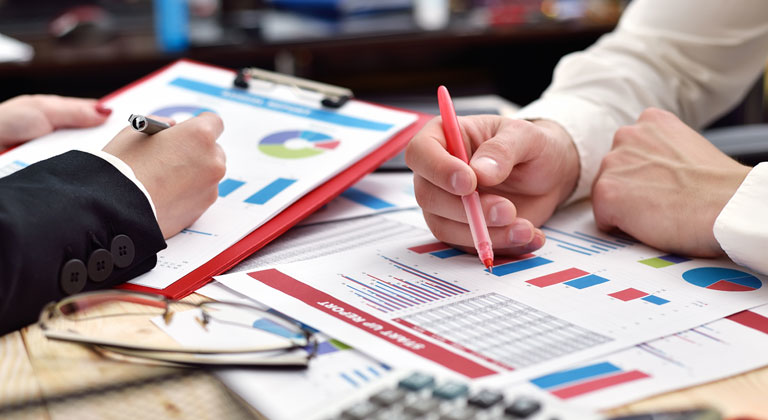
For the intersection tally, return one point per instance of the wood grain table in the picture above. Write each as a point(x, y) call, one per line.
point(45, 379)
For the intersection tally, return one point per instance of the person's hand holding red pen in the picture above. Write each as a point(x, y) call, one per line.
point(523, 170)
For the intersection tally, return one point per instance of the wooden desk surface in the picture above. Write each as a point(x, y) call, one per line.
point(55, 376)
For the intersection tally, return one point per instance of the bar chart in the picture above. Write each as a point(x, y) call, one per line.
point(437, 249)
point(573, 277)
point(368, 200)
point(586, 379)
point(586, 244)
point(630, 294)
point(261, 196)
point(393, 293)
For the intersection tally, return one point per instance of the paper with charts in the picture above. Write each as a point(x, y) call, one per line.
point(722, 348)
point(425, 305)
point(279, 146)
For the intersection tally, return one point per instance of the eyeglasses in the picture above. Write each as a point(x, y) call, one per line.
point(209, 333)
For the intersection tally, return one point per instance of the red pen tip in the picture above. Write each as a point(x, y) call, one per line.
point(488, 264)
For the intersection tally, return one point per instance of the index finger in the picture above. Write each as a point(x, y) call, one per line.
point(427, 156)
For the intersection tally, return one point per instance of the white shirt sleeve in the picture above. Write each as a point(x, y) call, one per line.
point(125, 170)
point(741, 227)
point(695, 58)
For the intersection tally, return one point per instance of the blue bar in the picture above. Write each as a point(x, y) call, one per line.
point(375, 304)
point(447, 253)
point(395, 292)
point(379, 294)
point(410, 293)
point(229, 185)
point(573, 244)
point(361, 375)
point(675, 259)
point(275, 328)
point(20, 163)
point(325, 347)
point(436, 280)
point(601, 241)
point(586, 281)
point(428, 294)
point(373, 298)
point(247, 98)
point(271, 190)
point(348, 379)
point(516, 266)
point(655, 300)
point(571, 249)
point(196, 231)
point(558, 379)
point(367, 200)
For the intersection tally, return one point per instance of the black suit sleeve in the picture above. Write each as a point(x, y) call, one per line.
point(68, 224)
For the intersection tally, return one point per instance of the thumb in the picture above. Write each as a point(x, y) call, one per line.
point(515, 142)
point(64, 112)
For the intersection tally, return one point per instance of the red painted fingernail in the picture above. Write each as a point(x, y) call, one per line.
point(101, 109)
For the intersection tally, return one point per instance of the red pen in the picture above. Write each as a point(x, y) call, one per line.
point(471, 201)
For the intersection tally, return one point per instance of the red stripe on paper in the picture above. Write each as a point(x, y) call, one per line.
point(751, 319)
point(363, 320)
point(423, 249)
point(628, 294)
point(559, 277)
point(598, 384)
point(453, 344)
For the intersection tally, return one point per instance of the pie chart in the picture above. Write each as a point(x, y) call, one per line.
point(723, 279)
point(295, 144)
point(181, 112)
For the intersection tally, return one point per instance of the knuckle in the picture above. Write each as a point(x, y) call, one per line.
point(653, 113)
point(624, 134)
point(606, 191)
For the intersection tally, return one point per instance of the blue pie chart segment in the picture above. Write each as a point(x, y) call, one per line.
point(181, 112)
point(723, 279)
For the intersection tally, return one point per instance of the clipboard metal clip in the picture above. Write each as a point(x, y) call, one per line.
point(333, 96)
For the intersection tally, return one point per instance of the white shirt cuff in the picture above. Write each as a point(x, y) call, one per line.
point(125, 170)
point(741, 228)
point(589, 126)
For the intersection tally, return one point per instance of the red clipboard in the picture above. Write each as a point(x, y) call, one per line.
point(286, 219)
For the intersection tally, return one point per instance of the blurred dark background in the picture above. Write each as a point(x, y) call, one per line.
point(385, 50)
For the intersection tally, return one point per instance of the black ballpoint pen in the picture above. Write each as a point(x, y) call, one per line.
point(146, 125)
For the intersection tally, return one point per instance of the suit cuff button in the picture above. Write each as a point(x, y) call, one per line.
point(73, 276)
point(123, 251)
point(100, 265)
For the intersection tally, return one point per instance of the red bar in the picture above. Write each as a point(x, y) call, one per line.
point(423, 249)
point(598, 384)
point(727, 286)
point(628, 294)
point(362, 320)
point(751, 319)
point(504, 260)
point(558, 277)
